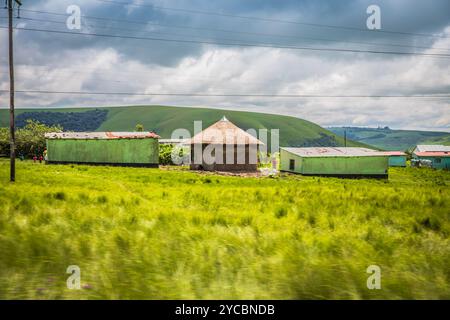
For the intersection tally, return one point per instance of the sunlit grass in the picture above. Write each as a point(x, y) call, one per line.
point(157, 234)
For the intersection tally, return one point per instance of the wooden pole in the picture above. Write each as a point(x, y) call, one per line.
point(11, 95)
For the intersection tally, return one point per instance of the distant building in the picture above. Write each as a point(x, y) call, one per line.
point(439, 155)
point(338, 162)
point(396, 158)
point(224, 147)
point(136, 149)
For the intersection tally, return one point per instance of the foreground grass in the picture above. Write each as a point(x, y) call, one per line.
point(174, 234)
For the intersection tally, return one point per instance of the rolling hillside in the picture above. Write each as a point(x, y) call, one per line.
point(163, 120)
point(388, 139)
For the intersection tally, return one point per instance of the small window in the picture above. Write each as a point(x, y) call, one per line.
point(291, 164)
point(437, 160)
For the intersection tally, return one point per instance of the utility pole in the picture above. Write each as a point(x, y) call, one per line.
point(11, 92)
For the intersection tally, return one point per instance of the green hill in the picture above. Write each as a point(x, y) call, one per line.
point(163, 120)
point(386, 138)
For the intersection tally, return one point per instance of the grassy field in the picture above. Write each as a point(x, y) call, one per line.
point(160, 233)
point(164, 120)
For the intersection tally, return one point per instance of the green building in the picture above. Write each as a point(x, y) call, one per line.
point(136, 149)
point(338, 162)
point(439, 155)
point(396, 158)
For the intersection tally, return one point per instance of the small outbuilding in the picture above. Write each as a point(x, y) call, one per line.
point(224, 147)
point(337, 162)
point(439, 155)
point(396, 158)
point(134, 149)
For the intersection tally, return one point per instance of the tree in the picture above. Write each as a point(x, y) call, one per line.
point(139, 127)
point(30, 140)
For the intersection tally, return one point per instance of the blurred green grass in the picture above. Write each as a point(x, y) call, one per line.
point(173, 234)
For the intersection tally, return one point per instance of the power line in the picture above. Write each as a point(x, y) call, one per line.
point(171, 34)
point(219, 30)
point(229, 95)
point(231, 31)
point(138, 30)
point(431, 55)
point(270, 19)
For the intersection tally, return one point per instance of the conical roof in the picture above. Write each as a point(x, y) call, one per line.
point(224, 132)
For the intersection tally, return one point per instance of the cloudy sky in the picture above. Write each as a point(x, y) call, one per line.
point(66, 62)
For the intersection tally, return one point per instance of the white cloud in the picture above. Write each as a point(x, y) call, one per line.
point(255, 71)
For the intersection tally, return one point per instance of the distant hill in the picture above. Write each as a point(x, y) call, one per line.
point(388, 139)
point(294, 132)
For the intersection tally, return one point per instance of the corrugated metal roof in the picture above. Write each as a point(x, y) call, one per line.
point(224, 132)
point(394, 153)
point(432, 154)
point(432, 148)
point(101, 135)
point(173, 141)
point(318, 152)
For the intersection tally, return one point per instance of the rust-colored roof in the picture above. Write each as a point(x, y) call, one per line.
point(432, 154)
point(224, 132)
point(174, 141)
point(101, 135)
point(394, 153)
point(318, 152)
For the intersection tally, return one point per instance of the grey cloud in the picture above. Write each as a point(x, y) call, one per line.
point(101, 64)
point(415, 16)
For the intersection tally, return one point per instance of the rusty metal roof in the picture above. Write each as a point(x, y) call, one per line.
point(394, 153)
point(318, 152)
point(224, 132)
point(101, 135)
point(174, 141)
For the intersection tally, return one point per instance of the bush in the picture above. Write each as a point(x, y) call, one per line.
point(165, 153)
point(30, 140)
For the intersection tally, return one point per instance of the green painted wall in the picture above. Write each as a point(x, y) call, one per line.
point(285, 157)
point(335, 165)
point(120, 151)
point(397, 161)
point(438, 162)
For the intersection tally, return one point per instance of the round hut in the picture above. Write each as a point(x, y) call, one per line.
point(224, 147)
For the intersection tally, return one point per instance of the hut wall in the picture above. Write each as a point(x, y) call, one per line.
point(220, 163)
point(131, 152)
